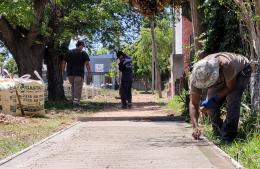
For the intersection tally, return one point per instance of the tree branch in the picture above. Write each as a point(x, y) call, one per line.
point(7, 33)
point(39, 8)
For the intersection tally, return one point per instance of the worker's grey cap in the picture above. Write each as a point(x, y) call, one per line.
point(205, 73)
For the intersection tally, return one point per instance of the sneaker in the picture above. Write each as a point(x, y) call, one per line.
point(123, 107)
point(129, 105)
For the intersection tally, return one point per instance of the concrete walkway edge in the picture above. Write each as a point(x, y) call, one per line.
point(224, 154)
point(36, 144)
point(133, 118)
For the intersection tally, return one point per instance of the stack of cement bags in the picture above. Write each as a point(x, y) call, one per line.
point(7, 96)
point(30, 92)
point(67, 90)
point(87, 91)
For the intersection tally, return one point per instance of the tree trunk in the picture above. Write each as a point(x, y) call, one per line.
point(29, 59)
point(55, 80)
point(154, 55)
point(255, 90)
point(255, 79)
point(254, 41)
point(196, 24)
point(146, 85)
point(173, 51)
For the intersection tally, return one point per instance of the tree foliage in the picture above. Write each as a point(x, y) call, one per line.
point(11, 66)
point(222, 28)
point(18, 12)
point(153, 7)
point(1, 60)
point(141, 51)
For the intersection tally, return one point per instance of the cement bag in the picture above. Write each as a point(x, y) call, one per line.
point(7, 96)
point(67, 90)
point(46, 91)
point(84, 94)
point(89, 92)
point(31, 93)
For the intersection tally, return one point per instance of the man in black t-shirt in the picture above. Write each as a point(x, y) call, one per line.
point(76, 59)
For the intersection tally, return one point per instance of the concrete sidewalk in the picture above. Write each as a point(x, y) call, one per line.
point(122, 145)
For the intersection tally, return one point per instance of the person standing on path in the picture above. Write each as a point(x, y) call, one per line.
point(219, 77)
point(76, 59)
point(126, 67)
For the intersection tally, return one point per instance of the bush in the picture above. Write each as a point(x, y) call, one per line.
point(180, 104)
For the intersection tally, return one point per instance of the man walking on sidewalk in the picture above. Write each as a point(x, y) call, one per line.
point(125, 66)
point(219, 77)
point(76, 60)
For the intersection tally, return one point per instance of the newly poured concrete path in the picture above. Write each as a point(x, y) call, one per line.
point(122, 145)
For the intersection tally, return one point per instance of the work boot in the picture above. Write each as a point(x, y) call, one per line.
point(129, 105)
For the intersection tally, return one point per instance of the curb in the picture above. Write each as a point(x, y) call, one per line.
point(235, 163)
point(132, 118)
point(36, 144)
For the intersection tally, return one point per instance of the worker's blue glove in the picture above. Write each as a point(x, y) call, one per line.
point(210, 102)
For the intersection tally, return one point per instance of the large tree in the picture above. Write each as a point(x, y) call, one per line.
point(20, 31)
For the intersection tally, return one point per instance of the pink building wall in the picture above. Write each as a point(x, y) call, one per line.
point(186, 34)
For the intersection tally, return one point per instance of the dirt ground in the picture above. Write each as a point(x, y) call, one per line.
point(143, 105)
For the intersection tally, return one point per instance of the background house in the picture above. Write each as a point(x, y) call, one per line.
point(180, 60)
point(100, 70)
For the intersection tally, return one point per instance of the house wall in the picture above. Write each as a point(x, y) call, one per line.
point(181, 60)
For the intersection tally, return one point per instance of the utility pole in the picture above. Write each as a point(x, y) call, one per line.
point(173, 51)
point(153, 79)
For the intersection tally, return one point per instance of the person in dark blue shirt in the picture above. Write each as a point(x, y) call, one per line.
point(126, 67)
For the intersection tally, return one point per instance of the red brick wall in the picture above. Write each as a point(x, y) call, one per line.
point(186, 33)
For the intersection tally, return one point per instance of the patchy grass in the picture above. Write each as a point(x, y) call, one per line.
point(245, 151)
point(17, 136)
point(176, 105)
point(84, 106)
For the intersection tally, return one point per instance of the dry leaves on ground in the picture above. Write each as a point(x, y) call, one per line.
point(7, 119)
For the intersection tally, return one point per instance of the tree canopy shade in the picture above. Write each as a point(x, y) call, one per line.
point(152, 7)
point(20, 31)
